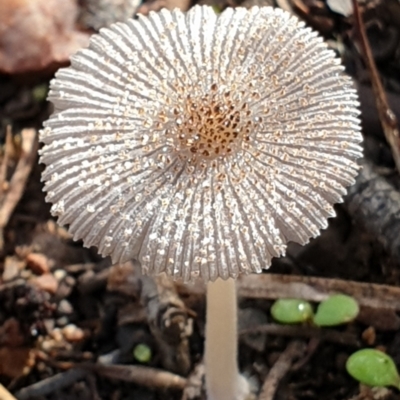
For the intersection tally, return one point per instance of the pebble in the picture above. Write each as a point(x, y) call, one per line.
point(60, 274)
point(72, 333)
point(11, 269)
point(38, 263)
point(65, 307)
point(46, 282)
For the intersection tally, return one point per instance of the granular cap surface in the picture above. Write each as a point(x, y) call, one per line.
point(198, 143)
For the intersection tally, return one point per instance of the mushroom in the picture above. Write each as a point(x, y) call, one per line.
point(200, 144)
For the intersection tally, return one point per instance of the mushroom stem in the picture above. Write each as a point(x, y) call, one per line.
point(223, 381)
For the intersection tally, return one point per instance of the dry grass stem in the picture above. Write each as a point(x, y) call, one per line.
point(293, 351)
point(386, 115)
point(144, 376)
point(5, 394)
point(275, 286)
point(18, 181)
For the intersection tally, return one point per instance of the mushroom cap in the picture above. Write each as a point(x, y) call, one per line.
point(200, 144)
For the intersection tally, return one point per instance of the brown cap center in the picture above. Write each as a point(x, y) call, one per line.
point(210, 126)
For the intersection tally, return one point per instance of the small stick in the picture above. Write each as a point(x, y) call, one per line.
point(52, 384)
point(145, 376)
point(5, 394)
point(4, 163)
point(19, 178)
point(276, 286)
point(294, 350)
point(387, 117)
point(169, 322)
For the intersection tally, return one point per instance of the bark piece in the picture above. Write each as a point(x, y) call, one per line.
point(169, 322)
point(375, 203)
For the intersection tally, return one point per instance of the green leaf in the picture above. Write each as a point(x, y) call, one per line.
point(373, 368)
point(291, 311)
point(336, 310)
point(142, 353)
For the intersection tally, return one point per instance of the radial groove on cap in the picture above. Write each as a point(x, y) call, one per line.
point(201, 143)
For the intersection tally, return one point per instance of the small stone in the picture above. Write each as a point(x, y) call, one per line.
point(62, 322)
point(38, 263)
point(46, 282)
point(72, 333)
point(11, 269)
point(369, 336)
point(49, 324)
point(65, 307)
point(65, 287)
point(57, 335)
point(60, 274)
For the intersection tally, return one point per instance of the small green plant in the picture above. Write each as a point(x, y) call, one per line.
point(142, 353)
point(336, 310)
point(291, 311)
point(373, 368)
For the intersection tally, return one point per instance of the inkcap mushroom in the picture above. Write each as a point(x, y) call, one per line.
point(200, 144)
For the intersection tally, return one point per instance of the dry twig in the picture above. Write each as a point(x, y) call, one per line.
point(276, 286)
point(51, 384)
point(168, 320)
point(5, 394)
point(387, 117)
point(293, 351)
point(17, 183)
point(145, 376)
point(5, 161)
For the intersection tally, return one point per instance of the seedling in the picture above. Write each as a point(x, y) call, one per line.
point(292, 311)
point(373, 368)
point(336, 310)
point(142, 353)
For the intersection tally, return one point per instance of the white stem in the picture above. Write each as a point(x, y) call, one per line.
point(222, 373)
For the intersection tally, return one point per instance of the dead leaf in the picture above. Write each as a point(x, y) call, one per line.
point(37, 33)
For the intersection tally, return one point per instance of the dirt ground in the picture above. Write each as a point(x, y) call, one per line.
point(72, 326)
